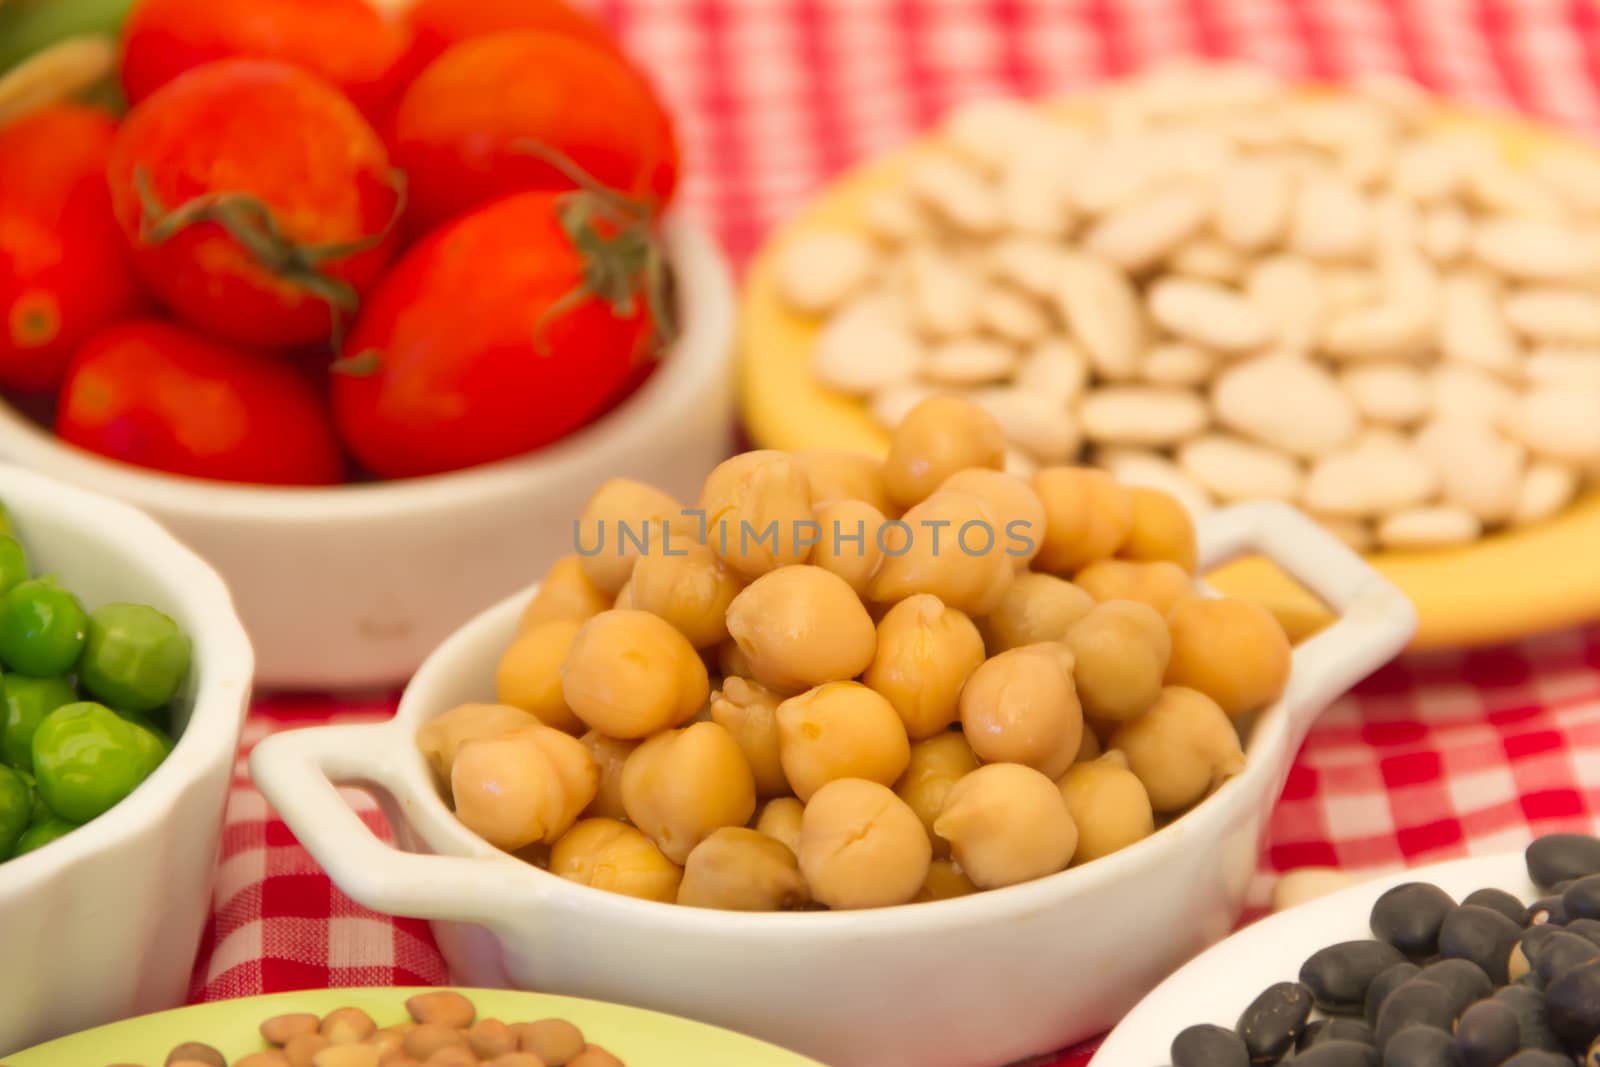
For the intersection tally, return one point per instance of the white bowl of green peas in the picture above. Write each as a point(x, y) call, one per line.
point(125, 676)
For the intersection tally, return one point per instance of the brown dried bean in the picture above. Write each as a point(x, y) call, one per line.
point(490, 1038)
point(429, 1038)
point(454, 1056)
point(346, 1026)
point(346, 1055)
point(445, 1007)
point(595, 1056)
point(270, 1058)
point(303, 1048)
point(516, 1059)
point(195, 1052)
point(279, 1029)
point(555, 1041)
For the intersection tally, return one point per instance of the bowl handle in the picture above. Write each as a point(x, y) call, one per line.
point(296, 771)
point(1374, 620)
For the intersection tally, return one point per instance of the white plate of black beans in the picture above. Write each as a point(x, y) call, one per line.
point(1485, 962)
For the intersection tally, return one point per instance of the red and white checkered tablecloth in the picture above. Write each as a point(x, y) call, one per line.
point(1433, 757)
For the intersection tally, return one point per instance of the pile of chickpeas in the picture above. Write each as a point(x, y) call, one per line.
point(937, 678)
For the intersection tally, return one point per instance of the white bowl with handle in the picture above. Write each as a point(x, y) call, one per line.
point(353, 585)
point(104, 923)
point(975, 981)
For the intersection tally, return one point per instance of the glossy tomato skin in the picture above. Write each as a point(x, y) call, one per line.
point(155, 395)
point(459, 379)
point(348, 43)
point(280, 135)
point(438, 24)
point(63, 272)
point(458, 130)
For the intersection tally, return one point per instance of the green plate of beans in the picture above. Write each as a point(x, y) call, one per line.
point(84, 701)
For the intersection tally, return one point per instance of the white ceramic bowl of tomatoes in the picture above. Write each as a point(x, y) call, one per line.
point(359, 301)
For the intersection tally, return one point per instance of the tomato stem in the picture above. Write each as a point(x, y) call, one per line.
point(250, 222)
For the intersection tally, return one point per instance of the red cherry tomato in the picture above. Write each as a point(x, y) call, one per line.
point(438, 24)
point(63, 273)
point(154, 395)
point(256, 199)
point(462, 130)
point(348, 43)
point(489, 338)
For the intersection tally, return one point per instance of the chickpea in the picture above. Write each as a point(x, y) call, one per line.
point(609, 755)
point(862, 847)
point(611, 855)
point(1181, 748)
point(936, 764)
point(840, 730)
point(925, 653)
point(780, 820)
point(441, 738)
point(1162, 529)
point(1109, 805)
point(1017, 509)
point(1120, 652)
point(524, 787)
point(529, 673)
point(1088, 515)
point(624, 599)
point(621, 521)
point(681, 785)
point(691, 588)
point(937, 438)
point(837, 476)
point(1231, 650)
point(948, 545)
point(748, 711)
point(1035, 608)
point(629, 674)
point(1160, 584)
point(801, 626)
point(850, 545)
point(1020, 707)
point(945, 880)
point(736, 869)
point(756, 508)
point(565, 592)
point(1007, 823)
point(1089, 748)
point(732, 662)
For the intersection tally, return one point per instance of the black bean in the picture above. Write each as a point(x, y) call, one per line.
point(1545, 910)
point(1417, 1003)
point(1581, 899)
point(1589, 928)
point(1338, 976)
point(1463, 979)
point(1538, 1058)
point(1533, 1023)
point(1487, 1033)
point(1338, 1054)
point(1273, 1020)
point(1387, 982)
point(1557, 858)
point(1209, 1046)
point(1572, 1004)
point(1485, 937)
point(1497, 900)
point(1337, 1028)
point(1421, 1046)
point(1560, 953)
point(1408, 917)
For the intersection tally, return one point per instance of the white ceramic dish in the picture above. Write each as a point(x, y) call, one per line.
point(354, 585)
point(970, 982)
point(104, 922)
point(1219, 984)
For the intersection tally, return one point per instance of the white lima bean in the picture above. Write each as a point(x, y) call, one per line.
point(1210, 283)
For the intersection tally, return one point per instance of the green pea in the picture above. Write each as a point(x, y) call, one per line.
point(42, 628)
point(16, 809)
point(13, 563)
point(27, 701)
point(41, 833)
point(134, 657)
point(86, 758)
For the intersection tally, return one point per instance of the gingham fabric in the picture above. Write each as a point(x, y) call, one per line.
point(1434, 757)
